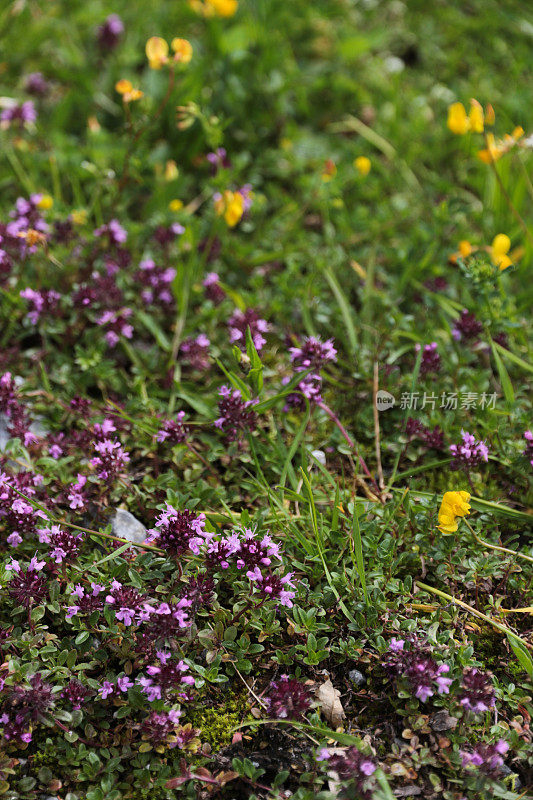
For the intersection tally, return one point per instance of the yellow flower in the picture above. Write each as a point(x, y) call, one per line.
point(460, 122)
point(182, 49)
point(497, 149)
point(175, 205)
point(156, 52)
point(329, 171)
point(501, 245)
point(211, 8)
point(125, 88)
point(79, 217)
point(465, 250)
point(45, 203)
point(171, 171)
point(231, 206)
point(363, 165)
point(476, 117)
point(454, 504)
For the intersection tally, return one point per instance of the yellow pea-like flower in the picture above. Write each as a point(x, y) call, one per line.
point(363, 165)
point(499, 250)
point(182, 50)
point(156, 52)
point(454, 505)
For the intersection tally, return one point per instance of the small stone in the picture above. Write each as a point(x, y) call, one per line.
point(357, 677)
point(126, 526)
point(442, 721)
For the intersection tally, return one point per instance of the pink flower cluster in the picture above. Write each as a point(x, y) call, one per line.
point(470, 453)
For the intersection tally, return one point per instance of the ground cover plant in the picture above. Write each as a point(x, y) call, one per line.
point(266, 445)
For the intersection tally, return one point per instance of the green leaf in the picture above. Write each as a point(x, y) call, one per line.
point(358, 552)
point(346, 310)
point(507, 386)
point(255, 375)
point(522, 655)
point(235, 381)
point(149, 322)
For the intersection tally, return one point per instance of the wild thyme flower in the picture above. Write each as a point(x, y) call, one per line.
point(111, 459)
point(477, 692)
point(35, 83)
point(77, 497)
point(126, 601)
point(160, 727)
point(173, 431)
point(114, 231)
point(274, 587)
point(313, 354)
point(157, 282)
point(85, 602)
point(309, 387)
point(470, 453)
point(357, 769)
point(18, 515)
point(165, 678)
point(116, 324)
point(213, 289)
point(195, 351)
point(18, 114)
point(236, 414)
point(287, 699)
point(417, 669)
point(27, 587)
point(109, 32)
point(43, 302)
point(64, 546)
point(466, 327)
point(76, 693)
point(218, 160)
point(432, 438)
point(240, 321)
point(23, 706)
point(487, 758)
point(431, 360)
point(178, 531)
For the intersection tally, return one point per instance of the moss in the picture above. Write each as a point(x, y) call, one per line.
point(216, 724)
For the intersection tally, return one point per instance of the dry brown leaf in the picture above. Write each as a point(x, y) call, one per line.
point(329, 701)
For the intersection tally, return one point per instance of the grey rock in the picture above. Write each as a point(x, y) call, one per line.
point(4, 435)
point(442, 721)
point(357, 677)
point(128, 527)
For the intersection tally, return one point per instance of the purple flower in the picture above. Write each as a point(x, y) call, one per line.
point(470, 453)
point(114, 231)
point(111, 459)
point(477, 692)
point(106, 689)
point(20, 114)
point(356, 769)
point(287, 699)
point(76, 693)
point(116, 325)
point(236, 414)
point(36, 84)
point(195, 351)
point(466, 327)
point(42, 302)
point(124, 683)
point(240, 321)
point(528, 452)
point(431, 360)
point(157, 281)
point(313, 354)
point(178, 531)
point(109, 32)
point(486, 757)
point(173, 431)
point(213, 289)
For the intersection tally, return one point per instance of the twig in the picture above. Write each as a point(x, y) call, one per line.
point(376, 426)
point(474, 611)
point(495, 546)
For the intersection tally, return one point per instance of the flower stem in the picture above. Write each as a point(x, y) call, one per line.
point(497, 547)
point(474, 611)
